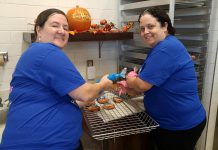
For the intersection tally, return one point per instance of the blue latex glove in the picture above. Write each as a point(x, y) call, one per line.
point(114, 76)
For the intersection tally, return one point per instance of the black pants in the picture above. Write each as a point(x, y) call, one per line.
point(177, 140)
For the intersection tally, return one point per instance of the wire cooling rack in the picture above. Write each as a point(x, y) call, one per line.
point(126, 118)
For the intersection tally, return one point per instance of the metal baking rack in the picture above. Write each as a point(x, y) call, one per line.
point(134, 124)
point(125, 121)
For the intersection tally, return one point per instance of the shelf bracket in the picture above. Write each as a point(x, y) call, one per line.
point(100, 43)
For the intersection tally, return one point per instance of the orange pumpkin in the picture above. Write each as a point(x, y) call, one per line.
point(79, 19)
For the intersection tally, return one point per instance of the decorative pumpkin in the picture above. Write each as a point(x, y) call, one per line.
point(79, 19)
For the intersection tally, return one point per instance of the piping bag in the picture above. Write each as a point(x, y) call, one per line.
point(115, 77)
point(120, 80)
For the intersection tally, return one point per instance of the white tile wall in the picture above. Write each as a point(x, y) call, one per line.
point(7, 37)
point(94, 4)
point(6, 10)
point(80, 53)
point(13, 24)
point(33, 2)
point(70, 3)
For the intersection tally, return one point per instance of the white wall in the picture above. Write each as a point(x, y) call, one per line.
point(15, 16)
point(210, 98)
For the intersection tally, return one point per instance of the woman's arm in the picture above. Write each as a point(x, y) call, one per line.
point(138, 84)
point(89, 91)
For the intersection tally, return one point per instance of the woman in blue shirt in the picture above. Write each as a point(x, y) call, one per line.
point(45, 84)
point(169, 83)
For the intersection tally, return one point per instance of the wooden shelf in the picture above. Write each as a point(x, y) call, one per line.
point(87, 36)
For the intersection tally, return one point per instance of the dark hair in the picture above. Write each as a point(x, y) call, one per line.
point(43, 17)
point(161, 16)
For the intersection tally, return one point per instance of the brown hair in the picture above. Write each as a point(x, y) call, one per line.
point(161, 17)
point(43, 17)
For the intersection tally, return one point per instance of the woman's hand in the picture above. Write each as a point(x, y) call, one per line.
point(106, 82)
point(131, 76)
point(134, 82)
point(82, 104)
point(90, 91)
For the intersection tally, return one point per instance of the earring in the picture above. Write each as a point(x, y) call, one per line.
point(39, 39)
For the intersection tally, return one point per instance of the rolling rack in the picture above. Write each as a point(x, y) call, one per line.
point(191, 21)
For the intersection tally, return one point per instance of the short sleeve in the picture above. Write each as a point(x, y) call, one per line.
point(58, 73)
point(158, 67)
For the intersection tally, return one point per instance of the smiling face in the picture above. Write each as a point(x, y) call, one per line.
point(55, 30)
point(151, 30)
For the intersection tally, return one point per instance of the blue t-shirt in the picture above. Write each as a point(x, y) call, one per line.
point(41, 115)
point(173, 100)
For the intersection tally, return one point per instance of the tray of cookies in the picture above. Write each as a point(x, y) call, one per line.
point(111, 107)
point(111, 116)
